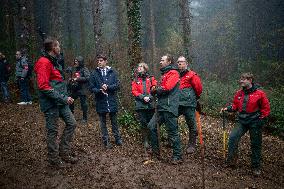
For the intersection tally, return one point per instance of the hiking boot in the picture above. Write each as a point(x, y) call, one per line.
point(69, 159)
point(232, 162)
point(22, 103)
point(256, 172)
point(146, 144)
point(190, 149)
point(57, 164)
point(176, 161)
point(108, 145)
point(7, 100)
point(118, 142)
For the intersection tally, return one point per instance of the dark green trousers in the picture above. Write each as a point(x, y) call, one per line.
point(189, 114)
point(52, 116)
point(170, 120)
point(144, 117)
point(255, 131)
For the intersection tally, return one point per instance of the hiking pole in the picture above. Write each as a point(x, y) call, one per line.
point(199, 130)
point(225, 135)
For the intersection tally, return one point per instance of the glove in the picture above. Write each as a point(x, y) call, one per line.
point(198, 107)
point(153, 91)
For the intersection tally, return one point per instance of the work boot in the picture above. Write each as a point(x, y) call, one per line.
point(107, 145)
point(256, 172)
point(69, 159)
point(191, 143)
point(84, 121)
point(56, 163)
point(232, 162)
point(176, 161)
point(118, 142)
point(145, 141)
point(190, 149)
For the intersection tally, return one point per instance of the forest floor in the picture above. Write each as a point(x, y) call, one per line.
point(23, 158)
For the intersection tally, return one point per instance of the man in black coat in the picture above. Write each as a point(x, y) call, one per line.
point(104, 84)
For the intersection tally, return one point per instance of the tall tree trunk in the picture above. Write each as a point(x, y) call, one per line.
point(186, 30)
point(134, 32)
point(26, 27)
point(97, 23)
point(68, 17)
point(56, 24)
point(153, 37)
point(121, 23)
point(7, 37)
point(82, 28)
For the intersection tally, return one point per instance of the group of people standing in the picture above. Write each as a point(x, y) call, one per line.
point(177, 93)
point(22, 77)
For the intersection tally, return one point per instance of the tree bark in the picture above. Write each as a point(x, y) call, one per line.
point(186, 29)
point(134, 32)
point(153, 37)
point(56, 20)
point(82, 28)
point(25, 25)
point(97, 24)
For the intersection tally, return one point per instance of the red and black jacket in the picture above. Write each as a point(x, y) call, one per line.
point(50, 82)
point(190, 79)
point(168, 90)
point(252, 104)
point(141, 87)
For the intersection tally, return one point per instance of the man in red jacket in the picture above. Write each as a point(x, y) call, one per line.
point(253, 107)
point(190, 91)
point(167, 92)
point(54, 103)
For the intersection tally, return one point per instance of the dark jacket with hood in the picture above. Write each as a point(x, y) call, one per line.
point(82, 75)
point(105, 102)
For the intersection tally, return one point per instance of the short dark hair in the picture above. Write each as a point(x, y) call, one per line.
point(247, 75)
point(101, 56)
point(49, 43)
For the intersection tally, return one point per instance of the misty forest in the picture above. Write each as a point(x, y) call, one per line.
point(220, 39)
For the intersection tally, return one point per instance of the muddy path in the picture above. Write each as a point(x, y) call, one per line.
point(23, 159)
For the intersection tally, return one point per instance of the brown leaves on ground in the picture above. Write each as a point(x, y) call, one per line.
point(23, 158)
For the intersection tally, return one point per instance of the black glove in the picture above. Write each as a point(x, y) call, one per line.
point(198, 107)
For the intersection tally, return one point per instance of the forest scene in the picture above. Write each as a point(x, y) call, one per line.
point(234, 141)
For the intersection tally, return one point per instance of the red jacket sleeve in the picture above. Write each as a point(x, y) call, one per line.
point(235, 104)
point(135, 89)
point(154, 82)
point(43, 70)
point(196, 85)
point(264, 106)
point(172, 79)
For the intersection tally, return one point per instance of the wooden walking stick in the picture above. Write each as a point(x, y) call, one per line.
point(199, 130)
point(225, 136)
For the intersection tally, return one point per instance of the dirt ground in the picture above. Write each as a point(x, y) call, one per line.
point(23, 159)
